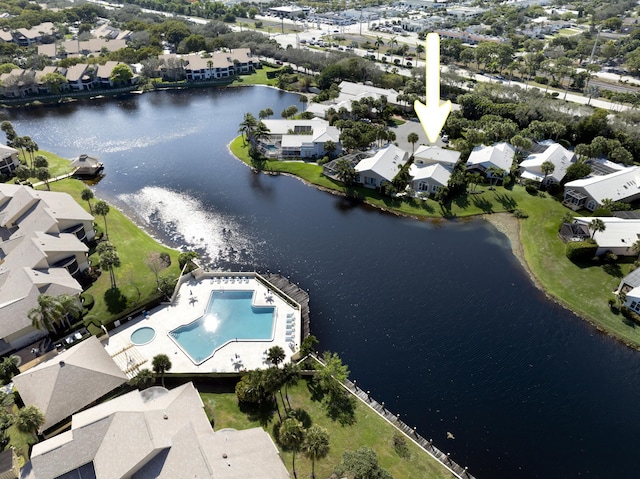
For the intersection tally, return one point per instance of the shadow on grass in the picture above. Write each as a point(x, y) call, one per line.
point(484, 204)
point(507, 202)
point(116, 301)
point(613, 269)
point(341, 407)
point(462, 201)
point(262, 413)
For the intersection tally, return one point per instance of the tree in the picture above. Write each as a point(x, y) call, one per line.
point(9, 368)
point(22, 173)
point(379, 43)
point(10, 132)
point(167, 285)
point(413, 139)
point(362, 464)
point(186, 261)
point(547, 168)
point(275, 355)
point(266, 113)
point(333, 373)
point(109, 259)
point(41, 162)
point(121, 74)
point(291, 435)
point(330, 148)
point(315, 445)
point(46, 314)
point(596, 226)
point(102, 209)
point(307, 346)
point(635, 247)
point(247, 126)
point(143, 379)
point(29, 419)
point(251, 388)
point(345, 171)
point(43, 175)
point(53, 82)
point(70, 307)
point(156, 262)
point(87, 195)
point(161, 364)
point(419, 50)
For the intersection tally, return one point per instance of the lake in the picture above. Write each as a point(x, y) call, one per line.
point(437, 319)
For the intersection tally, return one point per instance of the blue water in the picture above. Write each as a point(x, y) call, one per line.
point(229, 316)
point(143, 335)
point(437, 319)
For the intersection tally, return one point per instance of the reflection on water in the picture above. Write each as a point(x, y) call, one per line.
point(187, 223)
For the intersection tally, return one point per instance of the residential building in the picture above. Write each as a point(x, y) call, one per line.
point(428, 179)
point(622, 185)
point(630, 287)
point(25, 37)
point(214, 66)
point(382, 167)
point(427, 155)
point(69, 382)
point(42, 251)
point(490, 160)
point(18, 83)
point(155, 433)
point(548, 151)
point(299, 138)
point(81, 76)
point(75, 48)
point(9, 160)
point(618, 236)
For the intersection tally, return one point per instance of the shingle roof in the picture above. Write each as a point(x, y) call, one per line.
point(70, 381)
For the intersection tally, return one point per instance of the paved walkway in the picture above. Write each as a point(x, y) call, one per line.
point(56, 178)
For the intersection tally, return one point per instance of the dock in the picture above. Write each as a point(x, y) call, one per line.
point(294, 292)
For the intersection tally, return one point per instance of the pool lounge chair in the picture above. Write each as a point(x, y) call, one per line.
point(246, 279)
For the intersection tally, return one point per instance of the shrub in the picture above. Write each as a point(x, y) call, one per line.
point(609, 257)
point(531, 189)
point(87, 301)
point(520, 214)
point(602, 212)
point(576, 250)
point(553, 189)
point(400, 445)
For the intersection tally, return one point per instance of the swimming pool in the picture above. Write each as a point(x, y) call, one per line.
point(229, 316)
point(143, 335)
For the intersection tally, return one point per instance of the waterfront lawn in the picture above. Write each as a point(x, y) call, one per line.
point(582, 287)
point(57, 165)
point(369, 430)
point(134, 279)
point(259, 77)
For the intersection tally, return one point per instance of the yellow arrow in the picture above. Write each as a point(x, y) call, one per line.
point(432, 115)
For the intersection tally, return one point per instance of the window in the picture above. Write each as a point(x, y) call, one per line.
point(422, 186)
point(591, 205)
point(435, 188)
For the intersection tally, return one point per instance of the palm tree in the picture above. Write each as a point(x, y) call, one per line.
point(275, 355)
point(143, 379)
point(291, 435)
point(290, 376)
point(635, 247)
point(247, 126)
point(495, 173)
point(547, 168)
point(43, 175)
point(161, 364)
point(261, 133)
point(597, 226)
point(29, 419)
point(379, 43)
point(102, 209)
point(87, 195)
point(46, 314)
point(69, 306)
point(419, 50)
point(109, 259)
point(413, 139)
point(315, 445)
point(591, 91)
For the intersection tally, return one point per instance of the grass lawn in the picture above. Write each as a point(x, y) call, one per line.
point(133, 246)
point(259, 77)
point(369, 430)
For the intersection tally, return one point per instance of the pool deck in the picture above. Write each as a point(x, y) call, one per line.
point(189, 304)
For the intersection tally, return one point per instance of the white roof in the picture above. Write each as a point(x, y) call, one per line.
point(357, 91)
point(385, 163)
point(427, 154)
point(436, 172)
point(558, 155)
point(499, 155)
point(618, 233)
point(282, 127)
point(616, 186)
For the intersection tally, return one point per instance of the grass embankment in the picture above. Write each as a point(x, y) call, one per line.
point(369, 430)
point(259, 77)
point(583, 288)
point(133, 246)
point(132, 243)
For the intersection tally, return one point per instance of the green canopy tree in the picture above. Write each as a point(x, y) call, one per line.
point(44, 175)
point(102, 209)
point(161, 364)
point(121, 74)
point(291, 435)
point(362, 464)
point(315, 445)
point(46, 314)
point(29, 419)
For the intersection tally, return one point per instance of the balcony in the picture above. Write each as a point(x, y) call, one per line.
point(77, 230)
point(70, 264)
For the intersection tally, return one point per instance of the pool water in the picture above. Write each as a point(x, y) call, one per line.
point(143, 335)
point(229, 316)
